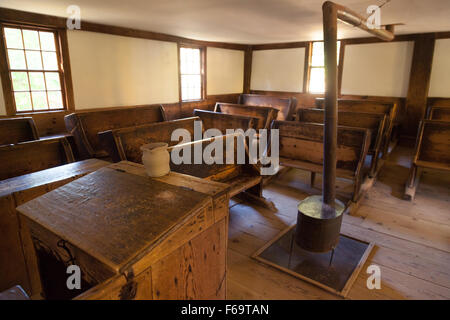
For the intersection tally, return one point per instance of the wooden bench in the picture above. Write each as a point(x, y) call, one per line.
point(286, 106)
point(15, 130)
point(375, 122)
point(265, 115)
point(17, 259)
point(84, 126)
point(368, 106)
point(439, 113)
point(301, 147)
point(32, 156)
point(223, 121)
point(432, 151)
point(124, 144)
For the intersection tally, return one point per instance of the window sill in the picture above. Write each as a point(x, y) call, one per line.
point(30, 113)
point(190, 101)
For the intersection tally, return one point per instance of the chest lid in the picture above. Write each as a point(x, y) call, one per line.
point(112, 215)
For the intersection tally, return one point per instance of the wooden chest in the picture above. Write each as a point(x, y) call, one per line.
point(132, 236)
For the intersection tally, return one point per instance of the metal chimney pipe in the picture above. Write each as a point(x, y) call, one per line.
point(331, 13)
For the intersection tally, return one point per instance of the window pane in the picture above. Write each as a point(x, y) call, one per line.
point(20, 81)
point(317, 80)
point(317, 58)
point(13, 38)
point(190, 61)
point(55, 99)
point(34, 61)
point(31, 39)
point(16, 59)
point(47, 41)
point(52, 80)
point(39, 100)
point(50, 60)
point(23, 101)
point(37, 80)
point(191, 87)
point(317, 54)
point(190, 69)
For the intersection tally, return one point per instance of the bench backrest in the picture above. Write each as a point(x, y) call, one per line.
point(433, 143)
point(265, 115)
point(286, 106)
point(304, 142)
point(375, 122)
point(85, 126)
point(223, 121)
point(362, 106)
point(439, 113)
point(220, 172)
point(32, 156)
point(15, 130)
point(125, 143)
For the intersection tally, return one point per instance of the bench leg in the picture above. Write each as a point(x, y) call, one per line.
point(254, 195)
point(412, 183)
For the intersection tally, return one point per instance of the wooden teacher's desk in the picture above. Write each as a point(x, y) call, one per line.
point(17, 259)
point(132, 236)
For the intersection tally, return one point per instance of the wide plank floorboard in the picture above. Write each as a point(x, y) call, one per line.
point(412, 238)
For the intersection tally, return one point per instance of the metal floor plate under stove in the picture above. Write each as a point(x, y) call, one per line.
point(349, 256)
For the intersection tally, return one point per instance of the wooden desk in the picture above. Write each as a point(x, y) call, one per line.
point(16, 249)
point(132, 236)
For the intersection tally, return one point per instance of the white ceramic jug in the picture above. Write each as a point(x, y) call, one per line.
point(156, 159)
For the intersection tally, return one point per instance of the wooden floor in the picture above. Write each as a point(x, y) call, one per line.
point(412, 239)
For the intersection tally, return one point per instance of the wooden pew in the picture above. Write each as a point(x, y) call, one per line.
point(239, 176)
point(389, 109)
point(124, 144)
point(223, 121)
point(286, 106)
point(375, 122)
point(432, 151)
point(265, 115)
point(15, 130)
point(439, 113)
point(32, 156)
point(84, 126)
point(301, 147)
point(17, 259)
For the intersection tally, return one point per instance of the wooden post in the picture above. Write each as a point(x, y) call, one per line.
point(330, 120)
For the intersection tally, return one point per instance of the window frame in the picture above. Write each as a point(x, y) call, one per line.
point(310, 66)
point(202, 72)
point(63, 70)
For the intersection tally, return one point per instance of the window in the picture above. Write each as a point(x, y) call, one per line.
point(191, 73)
point(34, 67)
point(317, 67)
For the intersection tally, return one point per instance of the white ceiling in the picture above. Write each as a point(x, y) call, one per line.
point(242, 21)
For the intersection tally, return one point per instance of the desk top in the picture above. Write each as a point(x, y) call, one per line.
point(114, 215)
